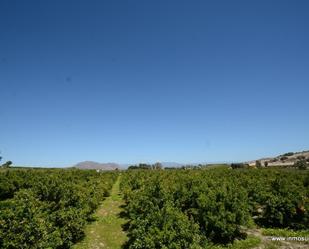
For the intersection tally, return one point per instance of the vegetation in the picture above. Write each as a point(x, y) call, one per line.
point(48, 208)
point(285, 232)
point(207, 208)
point(249, 242)
point(258, 164)
point(195, 207)
point(301, 157)
point(106, 231)
point(146, 166)
point(239, 165)
point(301, 164)
point(7, 164)
point(288, 154)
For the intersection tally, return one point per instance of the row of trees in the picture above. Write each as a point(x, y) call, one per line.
point(48, 208)
point(195, 209)
point(146, 166)
point(6, 164)
point(301, 164)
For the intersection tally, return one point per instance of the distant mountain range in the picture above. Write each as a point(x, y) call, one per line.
point(172, 164)
point(95, 165)
point(113, 166)
point(281, 160)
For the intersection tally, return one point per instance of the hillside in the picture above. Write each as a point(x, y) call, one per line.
point(96, 165)
point(283, 160)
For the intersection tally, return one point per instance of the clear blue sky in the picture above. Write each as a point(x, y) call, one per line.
point(131, 81)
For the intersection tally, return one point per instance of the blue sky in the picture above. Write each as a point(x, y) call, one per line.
point(145, 81)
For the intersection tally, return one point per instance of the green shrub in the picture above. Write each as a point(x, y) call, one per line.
point(48, 208)
point(301, 164)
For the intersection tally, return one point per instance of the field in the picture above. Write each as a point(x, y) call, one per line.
point(140, 209)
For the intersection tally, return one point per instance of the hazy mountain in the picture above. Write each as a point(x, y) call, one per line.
point(172, 164)
point(281, 160)
point(164, 164)
point(96, 165)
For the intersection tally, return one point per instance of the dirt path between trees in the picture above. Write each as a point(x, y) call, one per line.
point(106, 231)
